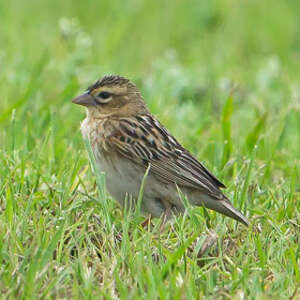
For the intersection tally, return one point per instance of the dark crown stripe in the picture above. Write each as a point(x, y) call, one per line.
point(111, 80)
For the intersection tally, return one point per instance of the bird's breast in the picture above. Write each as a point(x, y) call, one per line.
point(95, 131)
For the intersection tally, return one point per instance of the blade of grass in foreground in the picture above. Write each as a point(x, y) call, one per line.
point(226, 129)
point(101, 183)
point(141, 193)
point(253, 136)
point(247, 180)
point(40, 260)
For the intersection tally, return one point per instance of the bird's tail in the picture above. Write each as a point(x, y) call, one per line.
point(228, 210)
point(225, 207)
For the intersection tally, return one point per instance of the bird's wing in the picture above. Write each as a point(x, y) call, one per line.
point(145, 141)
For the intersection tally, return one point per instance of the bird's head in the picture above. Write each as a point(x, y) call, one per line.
point(112, 96)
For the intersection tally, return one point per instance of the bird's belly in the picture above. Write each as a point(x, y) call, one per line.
point(123, 181)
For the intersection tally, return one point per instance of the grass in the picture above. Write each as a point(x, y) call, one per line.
point(222, 76)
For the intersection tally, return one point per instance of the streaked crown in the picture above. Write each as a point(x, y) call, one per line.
point(110, 81)
point(113, 93)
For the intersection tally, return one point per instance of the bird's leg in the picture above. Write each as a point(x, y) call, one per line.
point(166, 214)
point(147, 221)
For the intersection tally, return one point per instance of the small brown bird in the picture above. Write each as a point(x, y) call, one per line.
point(126, 139)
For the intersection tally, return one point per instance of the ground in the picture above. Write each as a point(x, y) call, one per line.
point(223, 76)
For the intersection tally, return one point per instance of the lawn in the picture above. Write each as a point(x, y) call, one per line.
point(223, 76)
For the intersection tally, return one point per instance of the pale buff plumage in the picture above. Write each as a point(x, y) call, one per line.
point(126, 138)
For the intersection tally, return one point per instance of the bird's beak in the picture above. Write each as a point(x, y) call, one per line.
point(85, 99)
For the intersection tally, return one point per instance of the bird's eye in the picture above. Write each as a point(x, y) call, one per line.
point(104, 95)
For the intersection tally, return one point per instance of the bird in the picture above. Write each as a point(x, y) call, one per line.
point(127, 140)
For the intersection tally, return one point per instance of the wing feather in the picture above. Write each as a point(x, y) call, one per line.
point(145, 141)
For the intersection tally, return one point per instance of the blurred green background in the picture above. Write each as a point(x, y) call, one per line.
point(52, 50)
point(222, 75)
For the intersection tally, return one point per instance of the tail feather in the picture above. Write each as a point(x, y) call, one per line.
point(225, 207)
point(228, 209)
